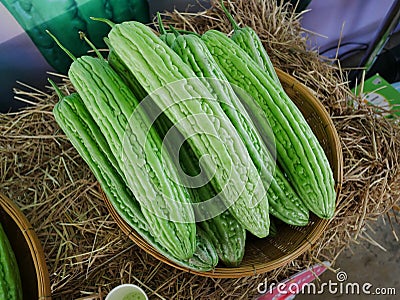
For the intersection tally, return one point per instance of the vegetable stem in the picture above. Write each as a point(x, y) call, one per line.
point(108, 22)
point(57, 89)
point(61, 45)
point(160, 24)
point(229, 16)
point(181, 31)
point(174, 31)
point(83, 36)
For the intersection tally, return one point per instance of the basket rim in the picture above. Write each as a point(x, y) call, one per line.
point(33, 242)
point(317, 230)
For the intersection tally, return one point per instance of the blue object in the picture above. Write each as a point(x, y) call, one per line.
point(396, 85)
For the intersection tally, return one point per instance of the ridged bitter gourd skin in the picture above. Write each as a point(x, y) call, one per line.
point(298, 150)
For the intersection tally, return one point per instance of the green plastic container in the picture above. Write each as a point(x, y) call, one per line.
point(65, 18)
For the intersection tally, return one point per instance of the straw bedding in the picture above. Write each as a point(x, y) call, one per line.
point(85, 251)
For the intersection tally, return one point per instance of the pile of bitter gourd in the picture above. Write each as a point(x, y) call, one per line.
point(238, 129)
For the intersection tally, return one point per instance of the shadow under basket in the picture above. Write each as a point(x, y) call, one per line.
point(267, 254)
point(27, 249)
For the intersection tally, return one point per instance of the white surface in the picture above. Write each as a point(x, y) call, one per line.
point(122, 290)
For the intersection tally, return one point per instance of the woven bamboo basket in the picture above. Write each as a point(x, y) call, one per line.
point(263, 255)
point(28, 251)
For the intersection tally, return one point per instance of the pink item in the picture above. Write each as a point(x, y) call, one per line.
point(288, 289)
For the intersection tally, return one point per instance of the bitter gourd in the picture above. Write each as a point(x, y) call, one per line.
point(86, 137)
point(298, 150)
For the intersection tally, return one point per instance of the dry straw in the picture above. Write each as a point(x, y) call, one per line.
point(86, 252)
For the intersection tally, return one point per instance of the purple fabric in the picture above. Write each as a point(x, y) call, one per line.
point(358, 20)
